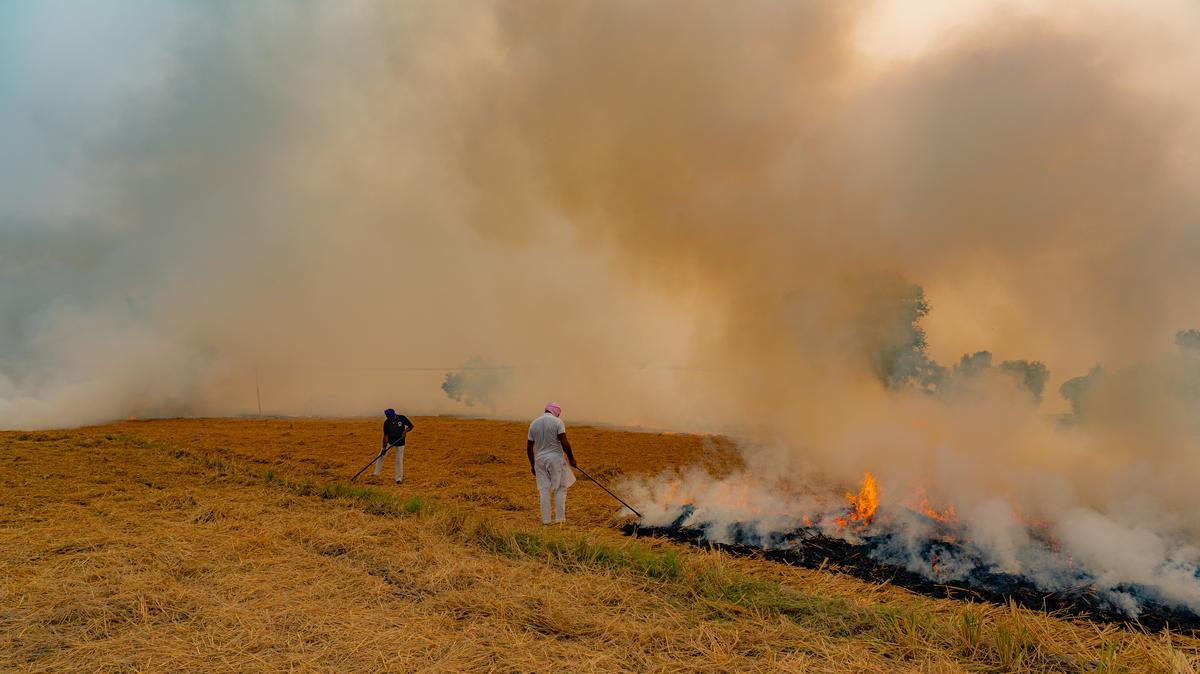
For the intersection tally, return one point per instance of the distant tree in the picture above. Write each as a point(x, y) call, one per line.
point(897, 351)
point(1076, 390)
point(898, 343)
point(1031, 375)
point(1188, 341)
point(1185, 379)
point(973, 364)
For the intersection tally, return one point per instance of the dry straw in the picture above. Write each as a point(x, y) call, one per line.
point(218, 545)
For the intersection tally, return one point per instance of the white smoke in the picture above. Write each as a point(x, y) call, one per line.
point(686, 215)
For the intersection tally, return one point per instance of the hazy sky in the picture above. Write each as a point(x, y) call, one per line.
point(190, 192)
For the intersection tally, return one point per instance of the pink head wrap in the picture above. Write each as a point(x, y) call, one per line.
point(553, 408)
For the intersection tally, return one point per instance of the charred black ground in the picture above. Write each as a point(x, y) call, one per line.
point(809, 548)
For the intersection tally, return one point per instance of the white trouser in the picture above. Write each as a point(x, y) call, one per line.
point(398, 450)
point(560, 504)
point(553, 476)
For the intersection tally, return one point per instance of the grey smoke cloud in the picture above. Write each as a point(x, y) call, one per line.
point(672, 214)
point(744, 156)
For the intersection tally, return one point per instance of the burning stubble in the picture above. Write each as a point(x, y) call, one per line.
point(742, 156)
point(675, 214)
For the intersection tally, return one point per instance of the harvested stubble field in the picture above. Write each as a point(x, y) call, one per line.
point(236, 545)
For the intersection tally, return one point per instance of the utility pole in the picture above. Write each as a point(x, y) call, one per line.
point(257, 391)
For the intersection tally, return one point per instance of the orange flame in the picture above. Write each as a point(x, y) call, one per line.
point(863, 505)
point(926, 507)
point(1041, 531)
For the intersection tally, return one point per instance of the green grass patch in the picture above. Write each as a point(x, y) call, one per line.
point(728, 591)
point(572, 551)
point(1011, 642)
point(913, 627)
point(710, 581)
point(970, 630)
point(567, 551)
point(1106, 658)
point(376, 501)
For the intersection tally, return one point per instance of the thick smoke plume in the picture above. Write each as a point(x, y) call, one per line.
point(478, 381)
point(757, 219)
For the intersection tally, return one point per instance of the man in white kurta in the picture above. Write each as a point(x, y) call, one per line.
point(549, 453)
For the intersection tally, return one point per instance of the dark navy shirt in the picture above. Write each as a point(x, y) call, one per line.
point(395, 428)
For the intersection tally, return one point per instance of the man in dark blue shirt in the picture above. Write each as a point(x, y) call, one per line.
point(395, 428)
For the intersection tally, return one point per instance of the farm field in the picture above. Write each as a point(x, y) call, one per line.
point(219, 545)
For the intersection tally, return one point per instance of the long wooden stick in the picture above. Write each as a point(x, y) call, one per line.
point(380, 456)
point(609, 492)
